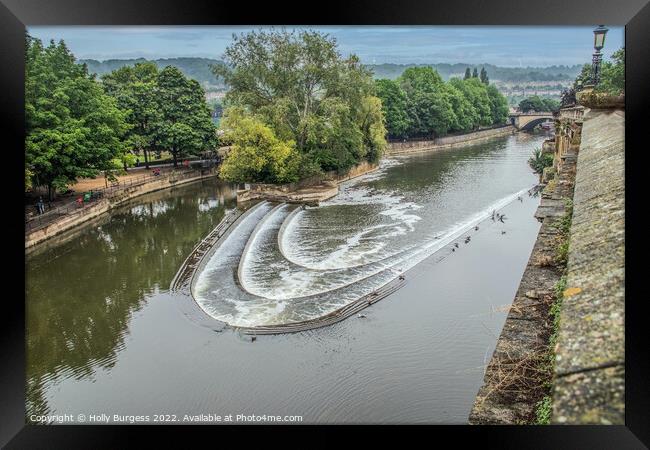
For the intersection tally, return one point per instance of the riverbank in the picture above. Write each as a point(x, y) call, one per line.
point(77, 217)
point(407, 147)
point(310, 191)
point(560, 356)
point(317, 189)
point(518, 374)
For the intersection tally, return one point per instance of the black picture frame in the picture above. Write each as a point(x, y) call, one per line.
point(634, 14)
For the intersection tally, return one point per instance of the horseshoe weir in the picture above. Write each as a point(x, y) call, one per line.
point(282, 268)
point(172, 287)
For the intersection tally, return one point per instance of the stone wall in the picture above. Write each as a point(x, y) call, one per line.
point(310, 190)
point(588, 376)
point(589, 387)
point(396, 148)
point(103, 205)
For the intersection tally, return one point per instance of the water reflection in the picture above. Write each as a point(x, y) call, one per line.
point(81, 294)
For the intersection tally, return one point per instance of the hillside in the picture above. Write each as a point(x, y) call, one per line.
point(196, 68)
point(506, 74)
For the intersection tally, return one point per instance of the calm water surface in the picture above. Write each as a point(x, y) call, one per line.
point(104, 335)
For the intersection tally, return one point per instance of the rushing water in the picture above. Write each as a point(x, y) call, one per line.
point(104, 335)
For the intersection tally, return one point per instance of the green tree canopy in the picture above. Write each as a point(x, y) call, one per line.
point(73, 129)
point(185, 126)
point(135, 89)
point(299, 86)
point(257, 154)
point(394, 101)
point(498, 105)
point(476, 94)
point(429, 108)
point(484, 76)
point(538, 104)
point(612, 78)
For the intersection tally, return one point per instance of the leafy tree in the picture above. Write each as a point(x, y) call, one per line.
point(484, 76)
point(476, 94)
point(466, 115)
point(612, 79)
point(135, 89)
point(185, 126)
point(468, 73)
point(475, 73)
point(393, 101)
point(498, 105)
point(612, 76)
point(73, 129)
point(428, 106)
point(538, 104)
point(257, 154)
point(304, 91)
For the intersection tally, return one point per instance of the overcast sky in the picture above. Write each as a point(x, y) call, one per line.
point(499, 45)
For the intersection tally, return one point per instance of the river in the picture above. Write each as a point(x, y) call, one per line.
point(105, 335)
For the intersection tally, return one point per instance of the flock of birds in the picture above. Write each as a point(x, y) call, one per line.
point(495, 217)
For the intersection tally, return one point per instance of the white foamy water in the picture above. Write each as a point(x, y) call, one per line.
point(284, 263)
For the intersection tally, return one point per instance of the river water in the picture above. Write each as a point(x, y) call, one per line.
point(105, 335)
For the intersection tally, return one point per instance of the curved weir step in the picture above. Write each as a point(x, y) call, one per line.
point(285, 255)
point(187, 270)
point(251, 241)
point(330, 318)
point(281, 294)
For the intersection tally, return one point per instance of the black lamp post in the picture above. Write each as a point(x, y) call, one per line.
point(599, 43)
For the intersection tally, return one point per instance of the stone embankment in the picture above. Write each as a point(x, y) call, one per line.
point(320, 188)
point(310, 191)
point(589, 385)
point(82, 215)
point(400, 148)
point(561, 352)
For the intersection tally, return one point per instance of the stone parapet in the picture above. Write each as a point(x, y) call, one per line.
point(589, 387)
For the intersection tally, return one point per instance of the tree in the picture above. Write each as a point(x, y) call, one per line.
point(538, 104)
point(428, 106)
point(466, 115)
point(135, 89)
point(475, 73)
point(484, 76)
point(476, 94)
point(533, 103)
point(185, 126)
point(612, 78)
point(73, 129)
point(257, 154)
point(393, 101)
point(498, 105)
point(299, 86)
point(468, 73)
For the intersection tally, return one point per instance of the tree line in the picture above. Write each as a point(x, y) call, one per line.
point(295, 108)
point(536, 103)
point(78, 126)
point(420, 104)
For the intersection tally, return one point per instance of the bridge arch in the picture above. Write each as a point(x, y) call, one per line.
point(528, 121)
point(528, 126)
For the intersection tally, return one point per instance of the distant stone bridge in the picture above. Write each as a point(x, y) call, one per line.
point(528, 121)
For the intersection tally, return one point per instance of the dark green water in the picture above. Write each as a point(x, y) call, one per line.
point(105, 336)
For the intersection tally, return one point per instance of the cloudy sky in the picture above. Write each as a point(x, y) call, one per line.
point(500, 45)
